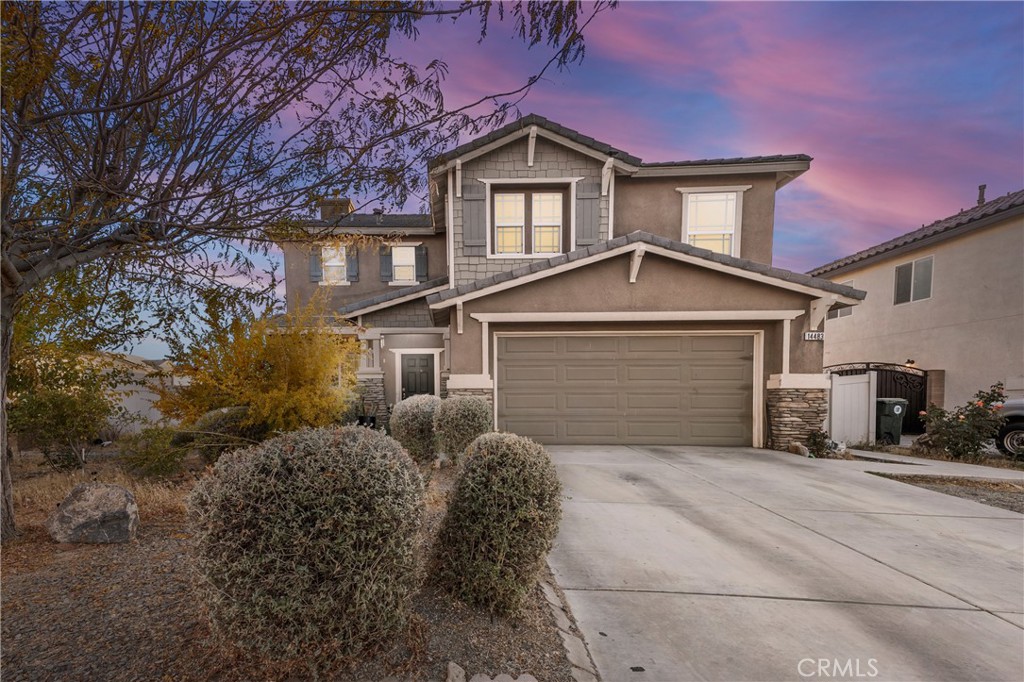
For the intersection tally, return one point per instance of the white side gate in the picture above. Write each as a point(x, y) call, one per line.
point(852, 408)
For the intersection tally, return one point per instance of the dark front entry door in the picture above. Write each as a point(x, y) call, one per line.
point(417, 375)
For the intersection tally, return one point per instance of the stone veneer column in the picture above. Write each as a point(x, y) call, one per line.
point(794, 413)
point(371, 390)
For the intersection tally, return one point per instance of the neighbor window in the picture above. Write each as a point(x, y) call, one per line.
point(403, 264)
point(528, 222)
point(913, 281)
point(333, 260)
point(841, 312)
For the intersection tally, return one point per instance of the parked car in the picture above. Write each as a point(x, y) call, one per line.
point(1011, 436)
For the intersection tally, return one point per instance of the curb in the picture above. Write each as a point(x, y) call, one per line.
point(583, 667)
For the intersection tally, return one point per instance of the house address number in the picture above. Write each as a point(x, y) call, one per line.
point(814, 336)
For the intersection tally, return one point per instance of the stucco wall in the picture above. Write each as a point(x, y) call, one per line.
point(971, 327)
point(510, 161)
point(299, 289)
point(662, 284)
point(653, 205)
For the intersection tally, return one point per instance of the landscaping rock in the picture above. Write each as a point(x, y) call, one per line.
point(799, 449)
point(95, 513)
point(455, 673)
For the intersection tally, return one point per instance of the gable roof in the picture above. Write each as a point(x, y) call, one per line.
point(974, 218)
point(733, 161)
point(371, 223)
point(627, 243)
point(391, 298)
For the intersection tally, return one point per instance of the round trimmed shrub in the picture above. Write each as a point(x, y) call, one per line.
point(501, 521)
point(221, 430)
point(305, 544)
point(412, 424)
point(458, 421)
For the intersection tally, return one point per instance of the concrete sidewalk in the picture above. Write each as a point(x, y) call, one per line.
point(685, 563)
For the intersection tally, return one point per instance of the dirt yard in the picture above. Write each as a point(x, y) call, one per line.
point(1002, 494)
point(126, 612)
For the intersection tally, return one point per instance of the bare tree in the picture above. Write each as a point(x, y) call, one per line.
point(169, 143)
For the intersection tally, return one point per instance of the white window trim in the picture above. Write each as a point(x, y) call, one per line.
point(404, 282)
point(738, 190)
point(570, 182)
point(323, 276)
point(913, 266)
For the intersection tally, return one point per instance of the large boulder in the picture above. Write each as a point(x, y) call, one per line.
point(95, 513)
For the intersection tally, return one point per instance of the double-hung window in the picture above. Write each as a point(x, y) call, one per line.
point(403, 264)
point(913, 281)
point(712, 217)
point(528, 222)
point(333, 260)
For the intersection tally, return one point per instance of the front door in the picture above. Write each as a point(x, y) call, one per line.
point(417, 375)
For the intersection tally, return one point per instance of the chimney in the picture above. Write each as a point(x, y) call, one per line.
point(331, 209)
point(981, 194)
point(379, 213)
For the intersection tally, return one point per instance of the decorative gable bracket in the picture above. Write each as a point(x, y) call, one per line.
point(819, 308)
point(634, 262)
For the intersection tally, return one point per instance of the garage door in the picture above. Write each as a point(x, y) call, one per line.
point(691, 390)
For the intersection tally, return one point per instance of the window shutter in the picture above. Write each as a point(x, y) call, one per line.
point(474, 215)
point(316, 271)
point(351, 264)
point(385, 264)
point(421, 264)
point(588, 214)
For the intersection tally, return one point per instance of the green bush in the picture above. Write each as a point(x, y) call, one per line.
point(962, 432)
point(820, 444)
point(221, 430)
point(458, 421)
point(305, 543)
point(501, 521)
point(412, 424)
point(151, 452)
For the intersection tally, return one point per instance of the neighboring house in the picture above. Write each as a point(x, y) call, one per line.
point(948, 298)
point(137, 393)
point(591, 297)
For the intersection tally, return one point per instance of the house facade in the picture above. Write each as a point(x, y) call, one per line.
point(589, 296)
point(947, 298)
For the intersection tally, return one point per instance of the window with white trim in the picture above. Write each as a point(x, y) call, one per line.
point(528, 222)
point(846, 311)
point(711, 221)
point(913, 281)
point(403, 264)
point(333, 263)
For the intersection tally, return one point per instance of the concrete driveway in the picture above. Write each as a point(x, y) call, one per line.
point(690, 563)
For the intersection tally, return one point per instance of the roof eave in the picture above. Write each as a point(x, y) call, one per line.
point(785, 171)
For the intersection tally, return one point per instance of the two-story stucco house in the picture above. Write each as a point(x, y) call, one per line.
point(949, 297)
point(590, 296)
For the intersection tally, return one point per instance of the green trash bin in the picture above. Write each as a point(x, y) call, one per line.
point(889, 420)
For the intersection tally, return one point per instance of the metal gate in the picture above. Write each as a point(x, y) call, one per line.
point(895, 381)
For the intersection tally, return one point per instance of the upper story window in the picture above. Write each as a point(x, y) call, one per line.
point(404, 264)
point(333, 259)
point(835, 313)
point(913, 281)
point(712, 217)
point(529, 222)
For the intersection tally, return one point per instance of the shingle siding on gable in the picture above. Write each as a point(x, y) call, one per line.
point(411, 314)
point(549, 161)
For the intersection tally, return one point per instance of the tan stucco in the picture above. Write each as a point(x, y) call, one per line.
point(972, 326)
point(662, 285)
point(299, 289)
point(653, 205)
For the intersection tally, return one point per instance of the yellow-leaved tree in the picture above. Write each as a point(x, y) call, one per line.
point(290, 370)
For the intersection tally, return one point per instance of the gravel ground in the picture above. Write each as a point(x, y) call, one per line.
point(126, 612)
point(1002, 494)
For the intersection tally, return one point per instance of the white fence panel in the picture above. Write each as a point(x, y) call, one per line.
point(852, 408)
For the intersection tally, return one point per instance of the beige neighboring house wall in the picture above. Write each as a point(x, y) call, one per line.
point(972, 326)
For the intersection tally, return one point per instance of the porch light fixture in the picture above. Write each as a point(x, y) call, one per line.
point(910, 363)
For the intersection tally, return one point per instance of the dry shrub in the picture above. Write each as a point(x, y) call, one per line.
point(304, 544)
point(501, 521)
point(458, 421)
point(412, 425)
point(42, 494)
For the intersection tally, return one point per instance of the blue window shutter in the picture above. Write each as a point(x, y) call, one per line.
point(385, 264)
point(588, 214)
point(316, 271)
point(421, 264)
point(474, 215)
point(351, 264)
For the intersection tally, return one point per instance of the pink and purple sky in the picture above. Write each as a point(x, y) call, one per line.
point(906, 107)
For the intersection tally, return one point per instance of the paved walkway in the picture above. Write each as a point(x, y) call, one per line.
point(689, 563)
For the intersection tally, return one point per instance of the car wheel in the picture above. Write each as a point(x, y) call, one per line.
point(1011, 440)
